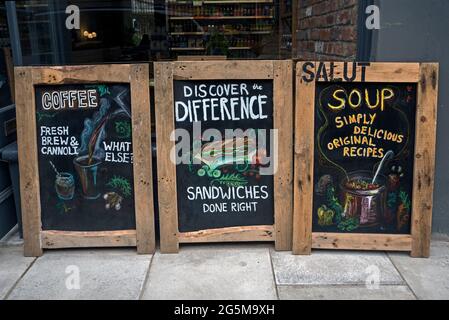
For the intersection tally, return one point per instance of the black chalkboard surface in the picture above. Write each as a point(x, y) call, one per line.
point(361, 129)
point(85, 157)
point(216, 191)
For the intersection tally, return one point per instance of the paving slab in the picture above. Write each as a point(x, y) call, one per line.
point(334, 268)
point(213, 271)
point(383, 292)
point(12, 266)
point(85, 274)
point(428, 278)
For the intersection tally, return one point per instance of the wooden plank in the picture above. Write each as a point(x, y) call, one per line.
point(232, 234)
point(424, 167)
point(283, 176)
point(71, 239)
point(81, 74)
point(27, 151)
point(357, 241)
point(166, 169)
point(303, 164)
point(229, 69)
point(141, 135)
point(10, 70)
point(201, 58)
point(376, 72)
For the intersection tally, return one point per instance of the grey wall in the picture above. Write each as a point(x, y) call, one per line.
point(416, 30)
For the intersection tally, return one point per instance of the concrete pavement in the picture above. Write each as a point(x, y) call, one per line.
point(223, 271)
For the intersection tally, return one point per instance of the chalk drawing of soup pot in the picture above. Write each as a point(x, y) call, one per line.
point(217, 154)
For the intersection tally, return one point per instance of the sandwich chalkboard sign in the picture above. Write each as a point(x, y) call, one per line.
point(215, 192)
point(372, 125)
point(84, 157)
point(225, 131)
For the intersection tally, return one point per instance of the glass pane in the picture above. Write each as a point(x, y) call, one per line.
point(236, 29)
point(5, 63)
point(36, 37)
point(4, 34)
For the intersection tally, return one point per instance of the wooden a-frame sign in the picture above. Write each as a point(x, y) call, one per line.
point(182, 220)
point(364, 156)
point(75, 208)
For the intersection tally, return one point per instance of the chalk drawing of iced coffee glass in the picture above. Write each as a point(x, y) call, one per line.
point(87, 169)
point(64, 184)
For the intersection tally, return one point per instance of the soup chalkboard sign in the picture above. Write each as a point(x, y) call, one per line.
point(224, 138)
point(368, 142)
point(363, 169)
point(84, 156)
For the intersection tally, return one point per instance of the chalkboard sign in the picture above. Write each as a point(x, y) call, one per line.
point(367, 150)
point(224, 167)
point(85, 152)
point(218, 192)
point(363, 170)
point(85, 157)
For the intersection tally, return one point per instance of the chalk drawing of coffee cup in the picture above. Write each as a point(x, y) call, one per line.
point(87, 171)
point(65, 185)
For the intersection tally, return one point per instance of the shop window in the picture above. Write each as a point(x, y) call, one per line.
point(152, 30)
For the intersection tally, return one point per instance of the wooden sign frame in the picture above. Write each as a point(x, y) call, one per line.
point(425, 75)
point(282, 75)
point(36, 239)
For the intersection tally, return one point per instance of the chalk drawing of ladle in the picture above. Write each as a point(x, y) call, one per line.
point(388, 156)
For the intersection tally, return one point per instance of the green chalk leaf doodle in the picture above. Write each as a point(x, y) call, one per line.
point(405, 199)
point(123, 129)
point(392, 200)
point(122, 184)
point(63, 208)
point(333, 203)
point(101, 88)
point(42, 115)
point(231, 180)
point(349, 224)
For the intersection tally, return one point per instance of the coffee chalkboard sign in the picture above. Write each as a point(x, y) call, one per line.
point(224, 143)
point(85, 157)
point(369, 143)
point(84, 139)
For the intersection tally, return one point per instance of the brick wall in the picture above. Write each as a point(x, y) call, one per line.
point(327, 30)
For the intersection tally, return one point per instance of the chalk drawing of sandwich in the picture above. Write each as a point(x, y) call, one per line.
point(217, 154)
